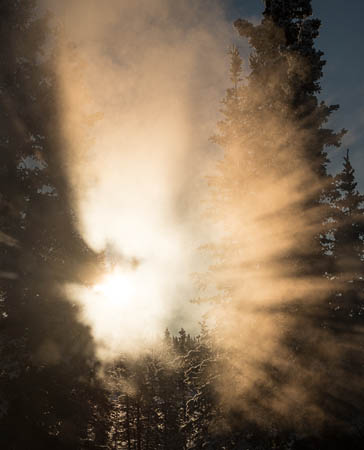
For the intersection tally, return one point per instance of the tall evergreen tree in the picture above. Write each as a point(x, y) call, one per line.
point(49, 392)
point(204, 421)
point(349, 215)
point(346, 317)
point(269, 189)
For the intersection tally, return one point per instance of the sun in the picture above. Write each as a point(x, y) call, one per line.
point(117, 287)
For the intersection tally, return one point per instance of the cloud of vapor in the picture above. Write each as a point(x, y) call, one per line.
point(263, 288)
point(139, 89)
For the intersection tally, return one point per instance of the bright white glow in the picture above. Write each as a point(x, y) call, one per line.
point(137, 144)
point(125, 309)
point(117, 287)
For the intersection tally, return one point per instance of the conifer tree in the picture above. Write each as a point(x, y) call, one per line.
point(49, 393)
point(204, 422)
point(272, 134)
point(347, 232)
point(349, 214)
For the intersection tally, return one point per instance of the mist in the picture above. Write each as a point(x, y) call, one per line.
point(139, 91)
point(180, 269)
point(275, 313)
point(140, 87)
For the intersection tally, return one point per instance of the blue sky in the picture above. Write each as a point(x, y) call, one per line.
point(341, 39)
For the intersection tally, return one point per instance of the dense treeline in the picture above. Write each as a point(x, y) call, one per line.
point(159, 399)
point(54, 393)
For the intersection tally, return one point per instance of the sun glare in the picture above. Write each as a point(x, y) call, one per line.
point(116, 287)
point(125, 307)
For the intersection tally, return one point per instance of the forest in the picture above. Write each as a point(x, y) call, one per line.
point(105, 248)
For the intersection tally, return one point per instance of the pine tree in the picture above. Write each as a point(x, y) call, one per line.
point(273, 128)
point(48, 380)
point(204, 424)
point(347, 302)
point(269, 191)
point(349, 214)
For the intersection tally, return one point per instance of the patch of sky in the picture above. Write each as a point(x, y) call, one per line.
point(47, 189)
point(31, 162)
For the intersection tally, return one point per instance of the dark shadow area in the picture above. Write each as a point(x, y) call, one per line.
point(50, 394)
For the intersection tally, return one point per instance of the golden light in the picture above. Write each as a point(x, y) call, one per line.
point(129, 307)
point(117, 287)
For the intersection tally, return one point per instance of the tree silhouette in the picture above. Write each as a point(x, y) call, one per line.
point(48, 372)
